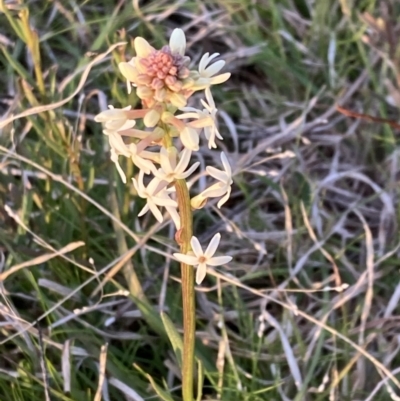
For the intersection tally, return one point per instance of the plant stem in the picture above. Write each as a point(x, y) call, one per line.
point(184, 236)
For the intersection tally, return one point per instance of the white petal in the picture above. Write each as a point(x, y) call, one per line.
point(201, 273)
point(127, 124)
point(217, 174)
point(116, 143)
point(188, 259)
point(205, 60)
point(164, 160)
point(215, 68)
point(212, 246)
point(128, 71)
point(110, 114)
point(146, 165)
point(114, 158)
point(219, 79)
point(140, 180)
point(154, 157)
point(175, 216)
point(154, 209)
point(226, 164)
point(136, 185)
point(164, 201)
point(144, 210)
point(196, 247)
point(187, 173)
point(152, 186)
point(121, 172)
point(206, 121)
point(187, 109)
point(219, 136)
point(177, 42)
point(219, 260)
point(211, 142)
point(210, 98)
point(215, 191)
point(142, 47)
point(225, 198)
point(184, 160)
point(194, 114)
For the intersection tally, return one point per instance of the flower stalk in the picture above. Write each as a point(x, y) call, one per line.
point(162, 152)
point(184, 236)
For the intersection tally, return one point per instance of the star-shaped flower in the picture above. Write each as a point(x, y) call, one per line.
point(205, 118)
point(115, 119)
point(206, 75)
point(153, 195)
point(202, 259)
point(220, 188)
point(137, 157)
point(171, 170)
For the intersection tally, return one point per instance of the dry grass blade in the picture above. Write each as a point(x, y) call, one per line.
point(311, 223)
point(102, 370)
point(126, 390)
point(40, 259)
point(378, 365)
point(66, 367)
point(43, 366)
point(290, 356)
point(52, 106)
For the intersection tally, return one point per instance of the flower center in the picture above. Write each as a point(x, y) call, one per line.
point(161, 64)
point(202, 259)
point(164, 69)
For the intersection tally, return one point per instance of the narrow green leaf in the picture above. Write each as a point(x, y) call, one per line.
point(174, 337)
point(160, 392)
point(164, 395)
point(200, 379)
point(17, 66)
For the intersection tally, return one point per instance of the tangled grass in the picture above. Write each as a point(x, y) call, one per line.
point(308, 309)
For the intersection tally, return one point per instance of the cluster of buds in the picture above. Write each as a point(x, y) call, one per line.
point(172, 131)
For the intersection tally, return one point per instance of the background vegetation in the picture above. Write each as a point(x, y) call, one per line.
point(308, 309)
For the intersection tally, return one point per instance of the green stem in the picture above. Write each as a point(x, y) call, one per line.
point(184, 236)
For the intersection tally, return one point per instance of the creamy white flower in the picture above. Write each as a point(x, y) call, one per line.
point(177, 42)
point(145, 165)
point(159, 75)
point(206, 76)
point(115, 119)
point(171, 170)
point(153, 195)
point(223, 186)
point(133, 68)
point(190, 138)
point(202, 259)
point(117, 148)
point(205, 118)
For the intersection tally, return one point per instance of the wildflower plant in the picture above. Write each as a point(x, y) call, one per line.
point(162, 153)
